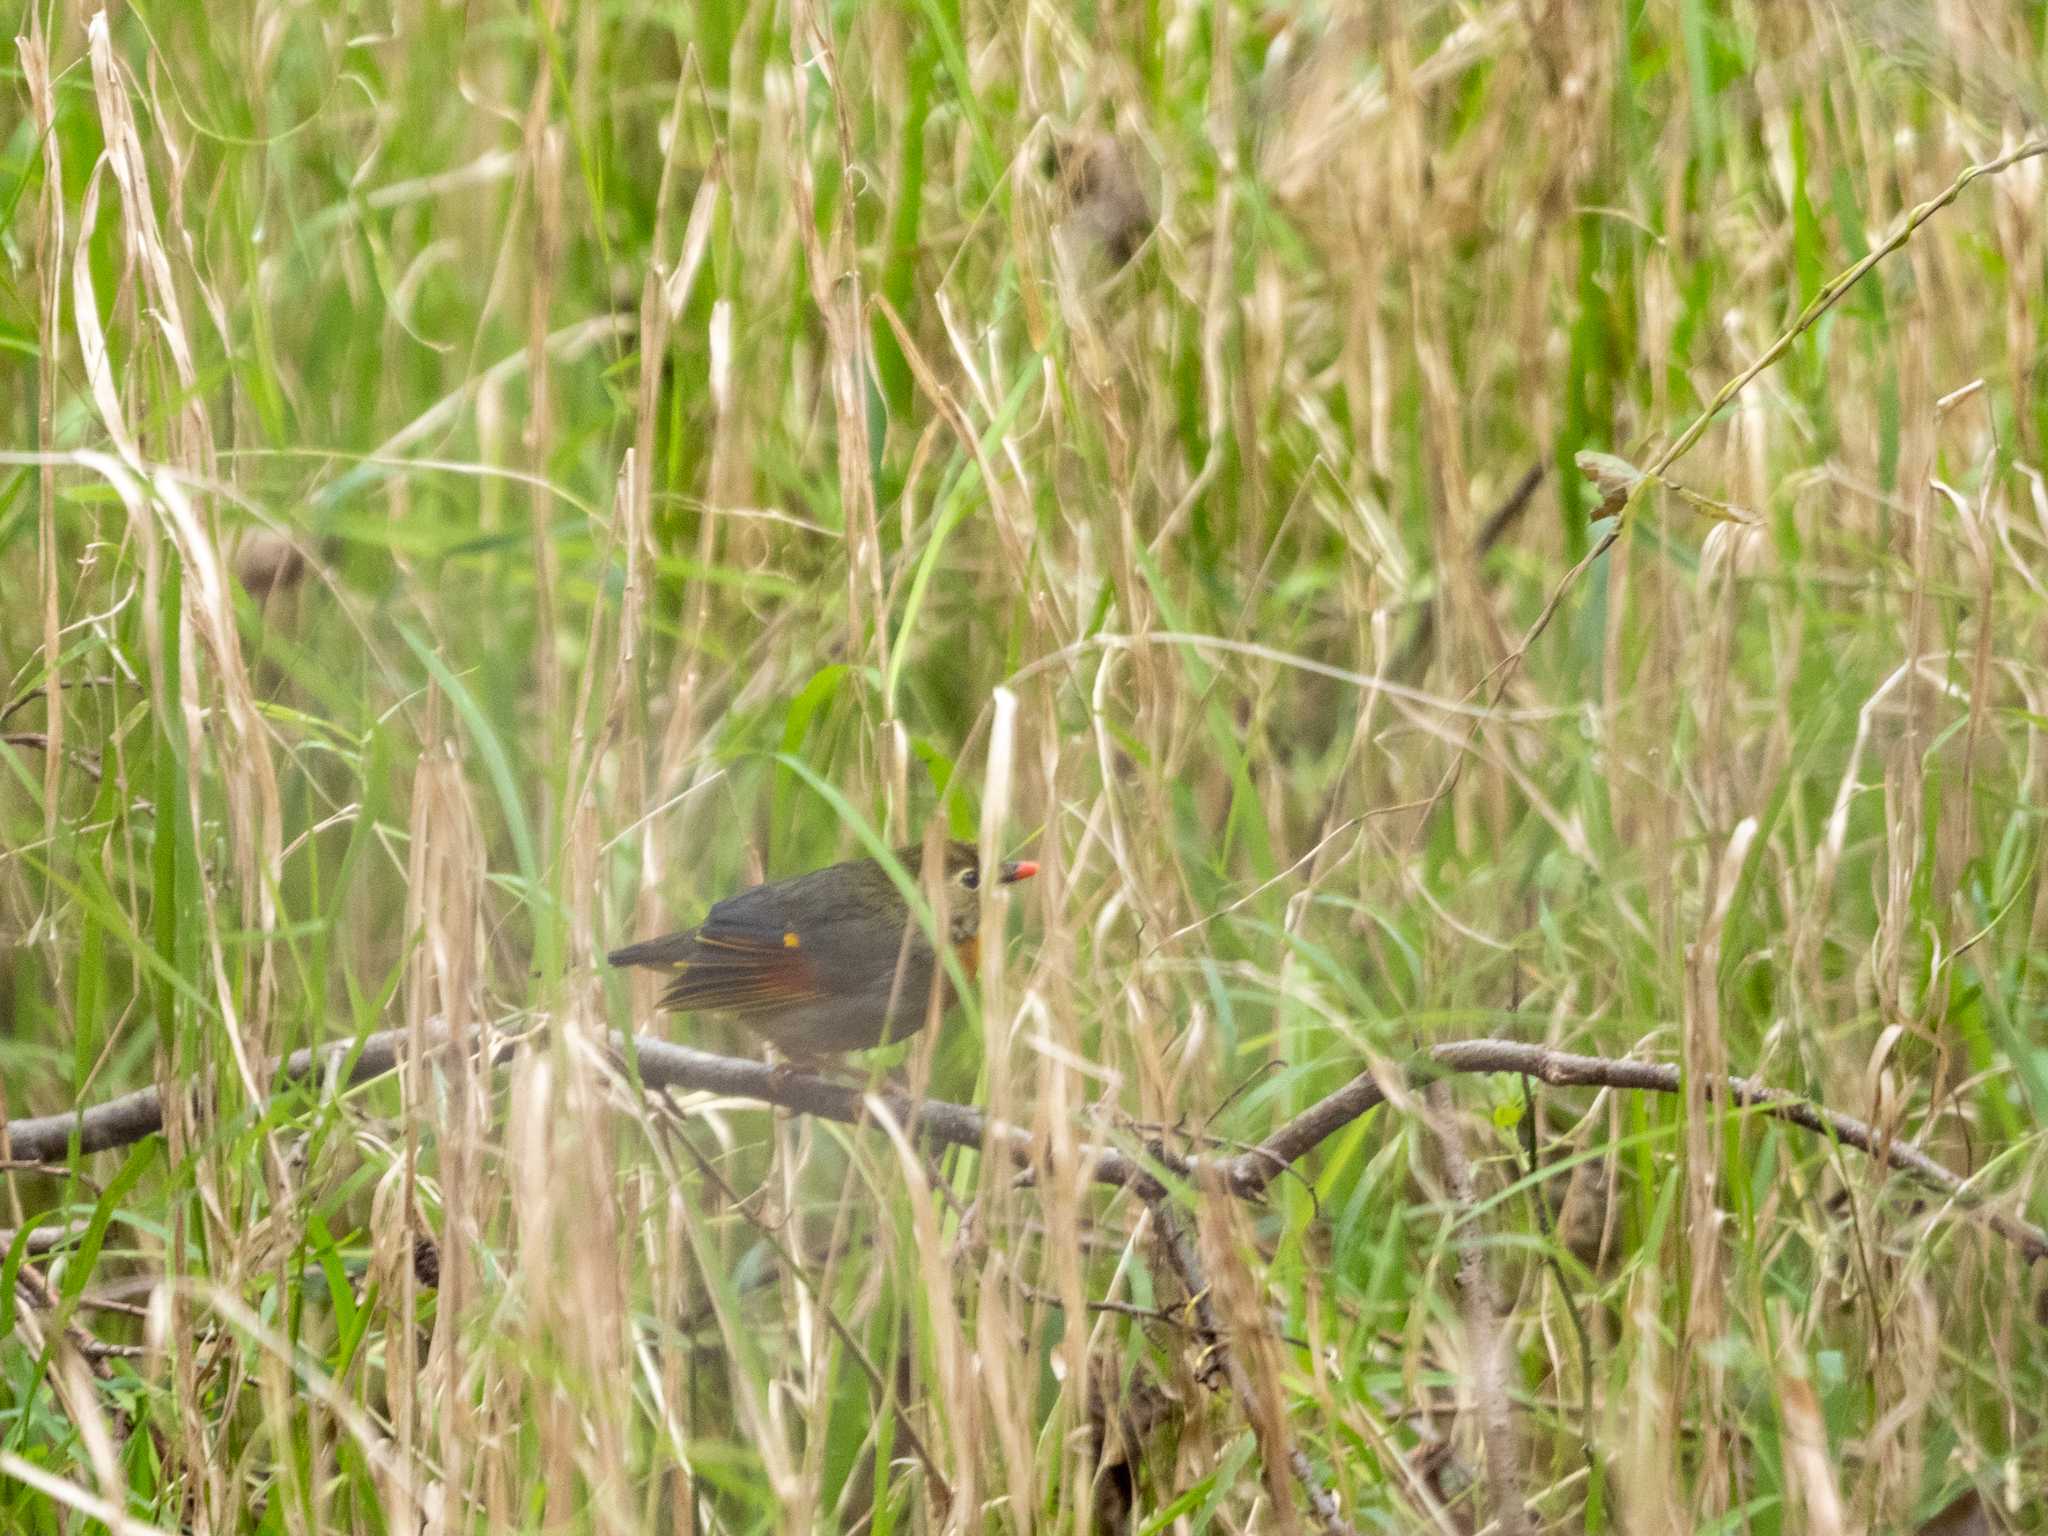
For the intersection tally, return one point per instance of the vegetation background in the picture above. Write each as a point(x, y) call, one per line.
point(482, 482)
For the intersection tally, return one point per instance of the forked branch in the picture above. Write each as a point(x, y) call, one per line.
point(662, 1064)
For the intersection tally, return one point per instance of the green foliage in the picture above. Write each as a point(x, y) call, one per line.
point(548, 467)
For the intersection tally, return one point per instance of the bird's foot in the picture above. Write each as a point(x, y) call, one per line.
point(791, 1067)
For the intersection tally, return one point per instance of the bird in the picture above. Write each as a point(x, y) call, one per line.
point(828, 962)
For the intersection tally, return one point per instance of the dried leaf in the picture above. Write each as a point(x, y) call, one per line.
point(1614, 478)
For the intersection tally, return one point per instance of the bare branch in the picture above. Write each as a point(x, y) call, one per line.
point(664, 1064)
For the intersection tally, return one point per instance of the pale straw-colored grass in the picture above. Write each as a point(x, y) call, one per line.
point(488, 484)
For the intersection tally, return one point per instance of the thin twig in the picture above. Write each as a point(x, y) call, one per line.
point(37, 741)
point(1105, 1304)
point(40, 1293)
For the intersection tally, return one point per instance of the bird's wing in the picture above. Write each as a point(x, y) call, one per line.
point(738, 965)
point(748, 955)
point(722, 979)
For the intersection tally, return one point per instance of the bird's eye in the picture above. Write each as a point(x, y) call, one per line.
point(971, 878)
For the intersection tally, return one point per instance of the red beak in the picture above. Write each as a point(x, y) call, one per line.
point(1021, 869)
